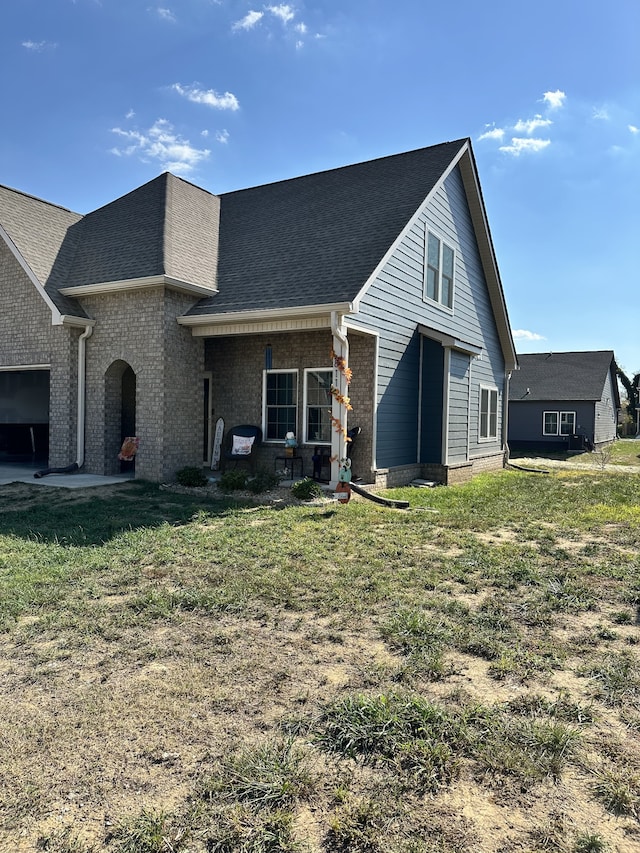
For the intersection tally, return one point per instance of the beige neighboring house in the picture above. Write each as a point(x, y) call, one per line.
point(171, 307)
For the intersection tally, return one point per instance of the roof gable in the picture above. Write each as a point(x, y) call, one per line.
point(562, 376)
point(316, 239)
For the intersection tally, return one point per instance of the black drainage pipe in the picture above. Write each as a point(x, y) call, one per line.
point(68, 470)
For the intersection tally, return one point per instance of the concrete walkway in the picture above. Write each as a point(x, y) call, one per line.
point(23, 473)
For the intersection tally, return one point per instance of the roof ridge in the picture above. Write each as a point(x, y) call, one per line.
point(458, 142)
point(41, 200)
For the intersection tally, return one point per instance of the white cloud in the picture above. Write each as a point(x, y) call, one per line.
point(601, 114)
point(39, 46)
point(531, 125)
point(301, 28)
point(554, 100)
point(249, 21)
point(130, 114)
point(209, 97)
point(163, 144)
point(520, 145)
point(492, 133)
point(524, 335)
point(166, 15)
point(284, 12)
point(222, 136)
point(633, 129)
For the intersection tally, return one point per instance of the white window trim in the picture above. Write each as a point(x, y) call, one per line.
point(573, 416)
point(438, 300)
point(306, 441)
point(266, 373)
point(544, 422)
point(489, 437)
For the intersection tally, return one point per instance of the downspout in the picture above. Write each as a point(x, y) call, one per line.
point(80, 420)
point(82, 372)
point(505, 417)
point(338, 440)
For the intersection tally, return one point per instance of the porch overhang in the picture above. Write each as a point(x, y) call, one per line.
point(451, 342)
point(293, 319)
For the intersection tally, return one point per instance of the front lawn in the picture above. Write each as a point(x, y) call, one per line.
point(184, 675)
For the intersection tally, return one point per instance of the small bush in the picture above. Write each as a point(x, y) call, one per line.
point(306, 490)
point(191, 477)
point(233, 480)
point(263, 482)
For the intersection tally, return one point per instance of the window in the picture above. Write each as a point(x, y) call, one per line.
point(317, 406)
point(488, 413)
point(280, 400)
point(567, 423)
point(440, 263)
point(558, 423)
point(550, 423)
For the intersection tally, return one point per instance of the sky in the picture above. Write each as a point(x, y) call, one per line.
point(101, 96)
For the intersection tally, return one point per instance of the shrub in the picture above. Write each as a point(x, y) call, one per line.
point(233, 480)
point(263, 482)
point(306, 490)
point(192, 477)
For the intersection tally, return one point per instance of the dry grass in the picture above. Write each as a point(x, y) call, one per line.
point(181, 675)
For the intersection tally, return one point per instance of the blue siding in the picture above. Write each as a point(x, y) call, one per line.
point(394, 306)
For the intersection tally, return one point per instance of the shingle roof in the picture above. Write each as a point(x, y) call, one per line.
point(38, 230)
point(316, 239)
point(561, 376)
point(166, 227)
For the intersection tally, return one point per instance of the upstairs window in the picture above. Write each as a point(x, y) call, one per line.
point(280, 403)
point(440, 265)
point(488, 414)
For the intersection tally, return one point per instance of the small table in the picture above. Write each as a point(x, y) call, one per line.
point(290, 464)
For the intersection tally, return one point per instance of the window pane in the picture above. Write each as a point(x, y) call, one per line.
point(447, 261)
point(432, 283)
point(447, 291)
point(433, 252)
point(550, 423)
point(281, 411)
point(484, 412)
point(567, 423)
point(493, 414)
point(318, 405)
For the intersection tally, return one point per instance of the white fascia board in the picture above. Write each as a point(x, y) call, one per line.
point(138, 284)
point(55, 314)
point(392, 248)
point(11, 367)
point(259, 316)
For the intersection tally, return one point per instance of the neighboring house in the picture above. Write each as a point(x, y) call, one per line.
point(170, 307)
point(563, 401)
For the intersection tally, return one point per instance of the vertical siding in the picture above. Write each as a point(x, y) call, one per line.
point(459, 378)
point(606, 414)
point(394, 306)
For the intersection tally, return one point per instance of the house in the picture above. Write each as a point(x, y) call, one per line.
point(563, 401)
point(171, 307)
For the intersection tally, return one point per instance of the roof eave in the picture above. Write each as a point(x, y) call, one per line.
point(263, 315)
point(100, 288)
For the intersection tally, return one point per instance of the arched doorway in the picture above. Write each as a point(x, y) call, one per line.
point(120, 414)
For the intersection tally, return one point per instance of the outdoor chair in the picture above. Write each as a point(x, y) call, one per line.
point(241, 444)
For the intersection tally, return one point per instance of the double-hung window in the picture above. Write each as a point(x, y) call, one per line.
point(280, 403)
point(317, 405)
point(488, 413)
point(558, 423)
point(439, 267)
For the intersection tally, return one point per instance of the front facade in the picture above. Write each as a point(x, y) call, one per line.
point(564, 401)
point(170, 308)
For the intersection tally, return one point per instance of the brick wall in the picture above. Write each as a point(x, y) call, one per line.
point(139, 329)
point(27, 337)
point(237, 364)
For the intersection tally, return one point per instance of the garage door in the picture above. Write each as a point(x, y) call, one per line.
point(24, 414)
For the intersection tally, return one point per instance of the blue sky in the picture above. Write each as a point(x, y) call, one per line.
point(100, 96)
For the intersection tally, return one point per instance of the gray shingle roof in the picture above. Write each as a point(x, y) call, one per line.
point(38, 230)
point(166, 227)
point(316, 239)
point(561, 376)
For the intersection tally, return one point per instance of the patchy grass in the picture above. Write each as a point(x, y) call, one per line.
point(190, 675)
